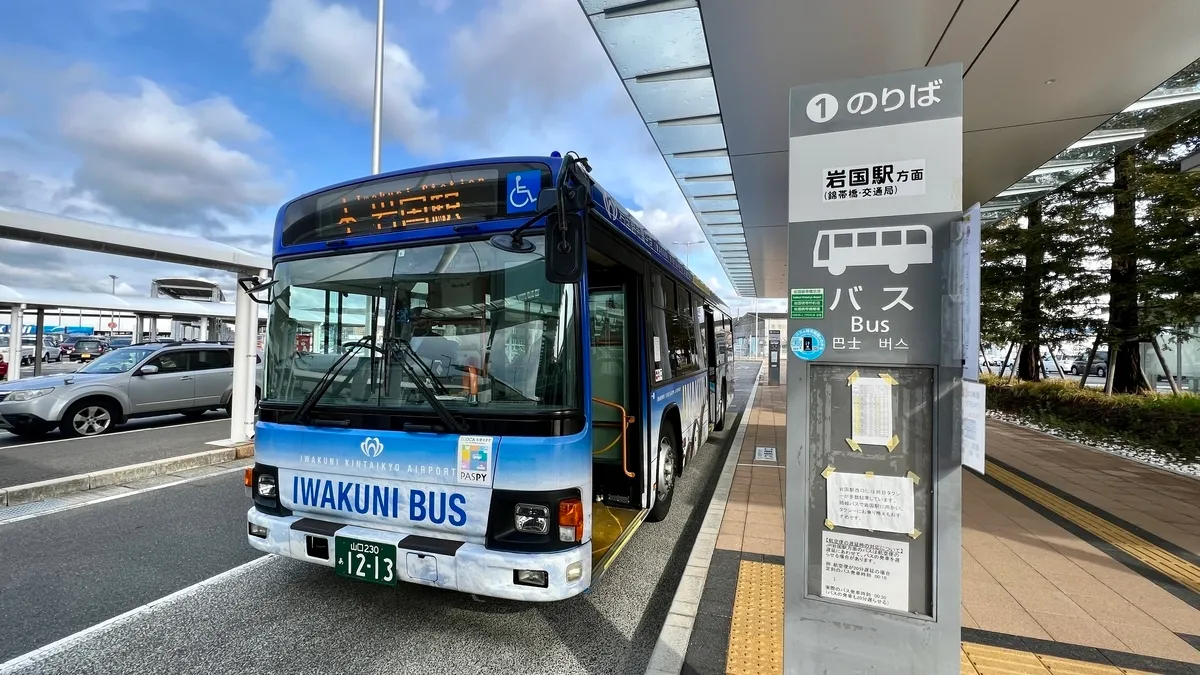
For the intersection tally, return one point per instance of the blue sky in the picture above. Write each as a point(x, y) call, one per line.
point(202, 117)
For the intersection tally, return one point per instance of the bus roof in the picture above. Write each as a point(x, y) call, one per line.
point(605, 205)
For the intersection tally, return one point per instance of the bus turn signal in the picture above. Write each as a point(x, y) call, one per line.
point(570, 520)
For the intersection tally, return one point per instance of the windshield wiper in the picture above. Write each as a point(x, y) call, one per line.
point(327, 379)
point(402, 357)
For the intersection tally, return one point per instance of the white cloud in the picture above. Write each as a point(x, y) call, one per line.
point(35, 267)
point(502, 81)
point(335, 44)
point(159, 162)
point(571, 99)
point(79, 144)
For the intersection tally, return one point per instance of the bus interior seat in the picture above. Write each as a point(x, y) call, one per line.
point(434, 349)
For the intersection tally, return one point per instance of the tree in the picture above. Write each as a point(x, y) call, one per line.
point(1122, 240)
point(1170, 218)
point(1035, 291)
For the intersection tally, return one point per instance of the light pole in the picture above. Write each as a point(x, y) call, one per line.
point(756, 327)
point(687, 256)
point(377, 110)
point(113, 320)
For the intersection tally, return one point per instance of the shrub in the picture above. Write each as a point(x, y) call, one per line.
point(1165, 423)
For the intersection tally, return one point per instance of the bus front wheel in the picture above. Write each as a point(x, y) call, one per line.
point(669, 454)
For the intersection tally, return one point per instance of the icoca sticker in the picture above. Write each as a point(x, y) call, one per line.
point(808, 344)
point(475, 460)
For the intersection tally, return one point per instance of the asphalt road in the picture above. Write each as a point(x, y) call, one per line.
point(142, 440)
point(283, 616)
point(63, 572)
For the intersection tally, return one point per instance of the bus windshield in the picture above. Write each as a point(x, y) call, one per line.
point(481, 327)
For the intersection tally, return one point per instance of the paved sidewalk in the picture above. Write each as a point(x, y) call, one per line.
point(1063, 570)
point(1160, 501)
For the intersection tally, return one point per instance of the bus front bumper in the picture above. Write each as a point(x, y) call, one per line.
point(469, 568)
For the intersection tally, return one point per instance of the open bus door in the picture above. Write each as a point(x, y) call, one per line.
point(617, 374)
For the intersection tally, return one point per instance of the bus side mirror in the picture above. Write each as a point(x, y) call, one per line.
point(547, 199)
point(564, 248)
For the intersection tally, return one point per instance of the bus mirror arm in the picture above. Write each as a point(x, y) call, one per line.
point(513, 242)
point(252, 285)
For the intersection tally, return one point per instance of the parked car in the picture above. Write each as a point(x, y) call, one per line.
point(50, 350)
point(27, 356)
point(67, 345)
point(120, 341)
point(88, 348)
point(122, 384)
point(1099, 364)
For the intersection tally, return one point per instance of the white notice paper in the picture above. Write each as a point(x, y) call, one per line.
point(871, 401)
point(974, 423)
point(879, 503)
point(657, 351)
point(864, 570)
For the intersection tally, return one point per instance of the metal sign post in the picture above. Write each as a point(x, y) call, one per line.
point(874, 479)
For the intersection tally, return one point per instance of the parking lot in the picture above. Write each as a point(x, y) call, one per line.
point(138, 440)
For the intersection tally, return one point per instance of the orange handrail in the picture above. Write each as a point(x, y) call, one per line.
point(628, 419)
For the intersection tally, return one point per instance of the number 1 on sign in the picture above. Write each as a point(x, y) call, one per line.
point(821, 108)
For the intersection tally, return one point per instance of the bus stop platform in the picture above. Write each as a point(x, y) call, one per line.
point(1075, 561)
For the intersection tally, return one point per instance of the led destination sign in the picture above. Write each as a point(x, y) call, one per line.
point(419, 200)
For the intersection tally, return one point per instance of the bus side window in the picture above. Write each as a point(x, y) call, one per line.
point(660, 366)
point(915, 236)
point(866, 238)
point(891, 237)
point(843, 240)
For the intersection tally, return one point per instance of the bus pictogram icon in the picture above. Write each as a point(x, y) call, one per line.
point(896, 247)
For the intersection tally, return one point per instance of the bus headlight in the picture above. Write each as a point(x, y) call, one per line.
point(266, 486)
point(533, 518)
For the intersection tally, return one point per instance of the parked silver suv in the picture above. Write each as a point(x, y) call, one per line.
point(141, 380)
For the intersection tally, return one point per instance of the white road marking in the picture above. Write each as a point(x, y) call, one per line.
point(59, 646)
point(122, 495)
point(114, 433)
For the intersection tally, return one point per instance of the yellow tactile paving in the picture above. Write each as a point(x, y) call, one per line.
point(987, 660)
point(756, 637)
point(1156, 557)
point(756, 633)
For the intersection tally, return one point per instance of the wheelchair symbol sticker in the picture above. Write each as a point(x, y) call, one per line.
point(523, 188)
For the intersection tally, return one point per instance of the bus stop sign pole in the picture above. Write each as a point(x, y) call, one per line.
point(873, 559)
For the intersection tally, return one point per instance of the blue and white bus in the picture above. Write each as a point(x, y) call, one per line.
point(480, 376)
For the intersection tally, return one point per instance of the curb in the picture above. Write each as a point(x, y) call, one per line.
point(55, 487)
point(670, 651)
